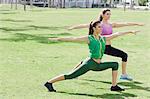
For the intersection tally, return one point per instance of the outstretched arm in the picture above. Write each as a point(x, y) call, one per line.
point(71, 39)
point(115, 35)
point(117, 25)
point(78, 26)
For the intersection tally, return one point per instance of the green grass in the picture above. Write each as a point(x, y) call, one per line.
point(28, 60)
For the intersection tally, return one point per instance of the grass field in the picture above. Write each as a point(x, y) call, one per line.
point(28, 60)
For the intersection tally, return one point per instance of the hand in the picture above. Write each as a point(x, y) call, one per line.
point(70, 28)
point(140, 24)
point(134, 32)
point(53, 39)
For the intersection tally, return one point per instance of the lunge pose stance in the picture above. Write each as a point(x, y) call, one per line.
point(96, 44)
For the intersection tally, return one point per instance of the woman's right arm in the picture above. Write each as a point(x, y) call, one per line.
point(82, 25)
point(78, 26)
point(71, 39)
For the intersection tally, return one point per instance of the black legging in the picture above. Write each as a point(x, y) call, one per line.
point(116, 52)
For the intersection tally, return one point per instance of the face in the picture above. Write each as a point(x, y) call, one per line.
point(98, 28)
point(107, 15)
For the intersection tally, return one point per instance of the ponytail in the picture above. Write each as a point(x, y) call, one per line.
point(91, 29)
point(100, 18)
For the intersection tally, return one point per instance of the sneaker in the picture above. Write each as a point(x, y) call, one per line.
point(116, 88)
point(126, 77)
point(49, 86)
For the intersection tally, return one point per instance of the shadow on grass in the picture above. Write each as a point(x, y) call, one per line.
point(12, 20)
point(118, 95)
point(122, 95)
point(1, 12)
point(38, 10)
point(5, 10)
point(60, 34)
point(20, 37)
point(35, 27)
point(31, 27)
point(131, 84)
point(14, 29)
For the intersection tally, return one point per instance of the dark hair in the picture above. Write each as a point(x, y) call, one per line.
point(103, 12)
point(93, 24)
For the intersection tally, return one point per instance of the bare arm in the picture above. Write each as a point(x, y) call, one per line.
point(78, 26)
point(115, 35)
point(117, 25)
point(71, 39)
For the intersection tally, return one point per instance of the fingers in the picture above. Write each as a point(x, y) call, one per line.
point(69, 29)
point(135, 32)
point(141, 24)
point(53, 39)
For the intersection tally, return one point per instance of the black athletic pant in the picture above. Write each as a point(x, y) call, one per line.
point(109, 50)
point(116, 52)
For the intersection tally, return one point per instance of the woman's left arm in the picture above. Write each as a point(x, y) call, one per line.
point(117, 25)
point(115, 35)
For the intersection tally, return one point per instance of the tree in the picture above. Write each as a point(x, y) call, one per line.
point(142, 2)
point(45, 1)
point(24, 5)
point(31, 3)
point(87, 3)
point(105, 2)
point(59, 3)
point(64, 4)
point(75, 3)
point(11, 3)
point(16, 4)
point(49, 3)
point(53, 3)
point(110, 3)
point(132, 4)
point(124, 5)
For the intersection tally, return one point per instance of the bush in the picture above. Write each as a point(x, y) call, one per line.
point(142, 2)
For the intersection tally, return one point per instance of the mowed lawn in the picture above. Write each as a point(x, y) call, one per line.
point(28, 59)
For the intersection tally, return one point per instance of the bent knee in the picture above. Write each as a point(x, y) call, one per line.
point(115, 66)
point(69, 76)
point(124, 57)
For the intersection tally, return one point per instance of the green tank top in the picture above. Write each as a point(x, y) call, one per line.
point(96, 47)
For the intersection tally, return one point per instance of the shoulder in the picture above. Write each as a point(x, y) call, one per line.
point(103, 38)
point(116, 24)
point(112, 23)
point(90, 36)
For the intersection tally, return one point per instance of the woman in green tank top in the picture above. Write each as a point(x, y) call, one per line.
point(96, 45)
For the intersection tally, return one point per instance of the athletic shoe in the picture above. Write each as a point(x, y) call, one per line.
point(116, 88)
point(126, 77)
point(49, 86)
